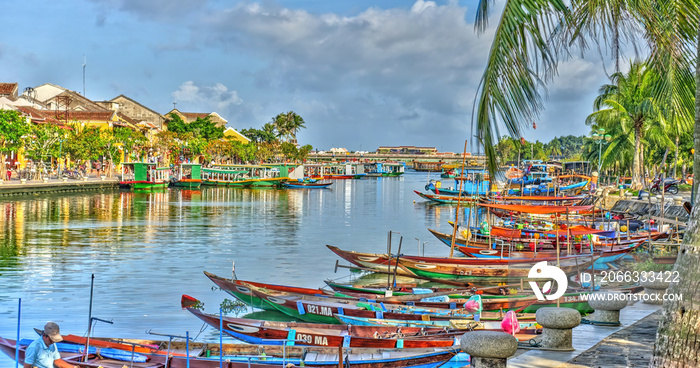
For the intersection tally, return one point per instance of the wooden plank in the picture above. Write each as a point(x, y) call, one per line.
point(668, 221)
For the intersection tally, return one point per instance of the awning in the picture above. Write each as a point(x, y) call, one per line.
point(537, 209)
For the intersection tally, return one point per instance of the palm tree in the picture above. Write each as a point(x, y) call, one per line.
point(628, 104)
point(534, 35)
point(288, 124)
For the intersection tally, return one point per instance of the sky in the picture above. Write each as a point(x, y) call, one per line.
point(362, 74)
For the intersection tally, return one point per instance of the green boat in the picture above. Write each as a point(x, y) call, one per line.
point(188, 176)
point(247, 176)
point(144, 176)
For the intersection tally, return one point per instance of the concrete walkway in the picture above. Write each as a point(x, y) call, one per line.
point(590, 347)
point(16, 187)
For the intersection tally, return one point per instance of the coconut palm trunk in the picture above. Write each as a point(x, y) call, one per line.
point(637, 160)
point(675, 160)
point(678, 338)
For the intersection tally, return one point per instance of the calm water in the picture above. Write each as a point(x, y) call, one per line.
point(147, 249)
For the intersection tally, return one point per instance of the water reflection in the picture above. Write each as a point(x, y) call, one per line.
point(146, 249)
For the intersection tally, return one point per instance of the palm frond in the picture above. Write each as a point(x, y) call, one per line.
point(521, 60)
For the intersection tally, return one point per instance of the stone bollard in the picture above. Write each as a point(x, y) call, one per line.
point(655, 290)
point(103, 177)
point(678, 200)
point(488, 349)
point(557, 324)
point(607, 306)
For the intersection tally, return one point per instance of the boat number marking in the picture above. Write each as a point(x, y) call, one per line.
point(311, 339)
point(323, 311)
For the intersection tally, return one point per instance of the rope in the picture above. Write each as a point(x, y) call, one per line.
point(599, 323)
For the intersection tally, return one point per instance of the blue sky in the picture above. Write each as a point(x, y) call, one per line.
point(361, 73)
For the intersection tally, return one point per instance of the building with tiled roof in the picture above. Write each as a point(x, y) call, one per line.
point(143, 116)
point(106, 119)
point(74, 101)
point(37, 116)
point(9, 90)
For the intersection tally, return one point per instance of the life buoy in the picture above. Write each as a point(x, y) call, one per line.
point(427, 187)
point(488, 252)
point(537, 191)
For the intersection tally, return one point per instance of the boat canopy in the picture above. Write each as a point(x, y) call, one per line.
point(536, 209)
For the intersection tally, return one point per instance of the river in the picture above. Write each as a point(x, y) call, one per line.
point(147, 249)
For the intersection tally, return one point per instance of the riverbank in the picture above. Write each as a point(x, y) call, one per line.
point(15, 187)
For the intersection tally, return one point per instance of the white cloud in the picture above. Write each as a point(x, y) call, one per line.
point(206, 97)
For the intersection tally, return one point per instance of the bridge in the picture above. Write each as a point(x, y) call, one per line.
point(420, 162)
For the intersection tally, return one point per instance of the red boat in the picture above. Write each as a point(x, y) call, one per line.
point(314, 334)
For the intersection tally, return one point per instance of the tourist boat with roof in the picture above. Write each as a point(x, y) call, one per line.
point(188, 176)
point(347, 170)
point(248, 176)
point(144, 176)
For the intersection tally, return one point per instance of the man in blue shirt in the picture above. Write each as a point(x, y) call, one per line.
point(43, 353)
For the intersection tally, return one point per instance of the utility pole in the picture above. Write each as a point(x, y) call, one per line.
point(84, 65)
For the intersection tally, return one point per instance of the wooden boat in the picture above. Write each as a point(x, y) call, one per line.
point(242, 290)
point(382, 261)
point(453, 324)
point(321, 309)
point(608, 251)
point(334, 171)
point(202, 355)
point(384, 169)
point(432, 301)
point(188, 176)
point(490, 273)
point(245, 176)
point(564, 201)
point(314, 334)
point(305, 184)
point(144, 176)
point(446, 199)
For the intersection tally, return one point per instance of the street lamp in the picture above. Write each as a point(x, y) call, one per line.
point(600, 136)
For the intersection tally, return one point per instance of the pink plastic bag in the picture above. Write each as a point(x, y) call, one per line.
point(510, 323)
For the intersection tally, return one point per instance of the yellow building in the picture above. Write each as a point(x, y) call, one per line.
point(234, 134)
point(101, 119)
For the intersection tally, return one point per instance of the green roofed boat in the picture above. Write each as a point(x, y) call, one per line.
point(188, 176)
point(144, 176)
point(249, 176)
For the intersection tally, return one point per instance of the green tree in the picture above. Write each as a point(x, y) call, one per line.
point(44, 142)
point(200, 128)
point(628, 103)
point(175, 124)
point(12, 128)
point(288, 124)
point(84, 143)
point(205, 128)
point(267, 134)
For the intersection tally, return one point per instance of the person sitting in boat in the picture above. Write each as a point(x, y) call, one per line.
point(43, 352)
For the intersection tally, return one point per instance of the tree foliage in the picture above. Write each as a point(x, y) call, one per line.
point(200, 128)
